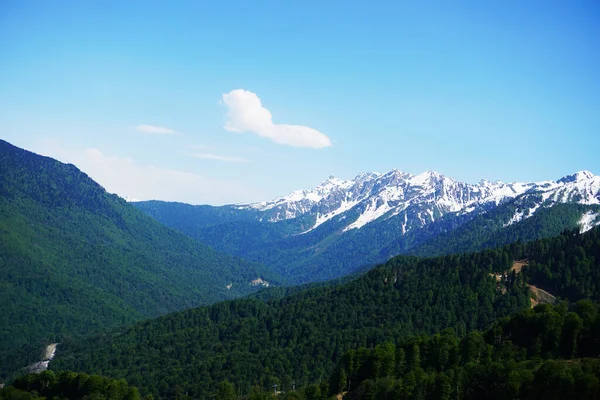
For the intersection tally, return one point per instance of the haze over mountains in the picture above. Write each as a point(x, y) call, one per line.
point(375, 216)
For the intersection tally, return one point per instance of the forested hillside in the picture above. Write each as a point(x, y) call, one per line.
point(75, 259)
point(301, 337)
point(68, 385)
point(488, 230)
point(544, 353)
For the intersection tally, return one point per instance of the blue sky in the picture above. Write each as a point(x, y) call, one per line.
point(169, 100)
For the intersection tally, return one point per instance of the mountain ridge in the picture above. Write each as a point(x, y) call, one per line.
point(393, 192)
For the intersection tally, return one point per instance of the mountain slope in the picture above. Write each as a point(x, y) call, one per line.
point(301, 337)
point(344, 226)
point(75, 259)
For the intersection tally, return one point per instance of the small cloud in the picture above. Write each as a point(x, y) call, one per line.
point(210, 156)
point(155, 130)
point(245, 113)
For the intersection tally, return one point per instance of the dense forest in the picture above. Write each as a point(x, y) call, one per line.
point(567, 266)
point(75, 259)
point(541, 353)
point(68, 385)
point(548, 352)
point(488, 230)
point(301, 337)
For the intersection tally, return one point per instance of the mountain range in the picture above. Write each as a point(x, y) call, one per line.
point(87, 270)
point(344, 226)
point(427, 197)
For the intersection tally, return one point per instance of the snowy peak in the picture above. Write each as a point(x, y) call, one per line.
point(301, 202)
point(364, 176)
point(422, 198)
point(427, 179)
point(577, 177)
point(333, 183)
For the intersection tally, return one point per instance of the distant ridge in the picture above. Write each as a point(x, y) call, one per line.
point(385, 195)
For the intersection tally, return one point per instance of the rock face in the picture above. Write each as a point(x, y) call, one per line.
point(425, 198)
point(259, 282)
point(48, 355)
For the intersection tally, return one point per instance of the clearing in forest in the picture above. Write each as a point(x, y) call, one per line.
point(538, 295)
point(519, 264)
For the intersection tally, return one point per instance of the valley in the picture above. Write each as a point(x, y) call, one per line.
point(341, 227)
point(300, 338)
point(75, 259)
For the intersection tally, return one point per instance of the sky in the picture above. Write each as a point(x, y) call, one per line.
point(211, 102)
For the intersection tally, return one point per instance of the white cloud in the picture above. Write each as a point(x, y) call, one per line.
point(155, 130)
point(128, 179)
point(217, 157)
point(245, 113)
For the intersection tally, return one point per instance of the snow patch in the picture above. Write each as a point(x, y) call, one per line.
point(532, 210)
point(345, 206)
point(311, 197)
point(522, 215)
point(515, 218)
point(588, 221)
point(371, 213)
point(424, 178)
point(431, 215)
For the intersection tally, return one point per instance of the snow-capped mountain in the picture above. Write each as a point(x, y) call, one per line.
point(344, 226)
point(423, 198)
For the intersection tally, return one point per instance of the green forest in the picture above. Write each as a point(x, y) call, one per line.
point(541, 353)
point(548, 352)
point(68, 385)
point(300, 338)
